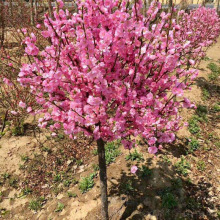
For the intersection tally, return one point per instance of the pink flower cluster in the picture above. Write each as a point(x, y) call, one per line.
point(112, 72)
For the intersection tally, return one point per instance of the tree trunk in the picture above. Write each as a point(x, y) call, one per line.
point(35, 10)
point(32, 12)
point(10, 8)
point(103, 179)
point(50, 9)
point(170, 5)
point(217, 6)
point(2, 19)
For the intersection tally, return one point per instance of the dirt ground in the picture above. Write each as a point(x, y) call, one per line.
point(177, 184)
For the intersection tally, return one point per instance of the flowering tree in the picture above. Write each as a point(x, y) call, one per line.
point(112, 72)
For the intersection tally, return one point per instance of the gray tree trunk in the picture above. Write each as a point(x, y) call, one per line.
point(50, 9)
point(32, 12)
point(103, 179)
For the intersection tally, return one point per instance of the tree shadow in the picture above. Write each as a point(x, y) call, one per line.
point(212, 88)
point(162, 192)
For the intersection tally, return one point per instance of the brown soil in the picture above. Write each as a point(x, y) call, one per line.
point(33, 161)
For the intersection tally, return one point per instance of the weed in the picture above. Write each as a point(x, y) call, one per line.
point(57, 178)
point(166, 159)
point(177, 183)
point(95, 167)
point(194, 126)
point(213, 67)
point(112, 151)
point(79, 162)
point(87, 183)
point(24, 158)
point(193, 144)
point(13, 182)
point(205, 94)
point(216, 108)
point(60, 207)
point(169, 201)
point(217, 144)
point(47, 149)
point(145, 171)
point(201, 165)
point(21, 166)
point(67, 183)
point(36, 204)
point(192, 204)
point(18, 130)
point(95, 152)
point(57, 190)
point(182, 166)
point(206, 58)
point(202, 111)
point(4, 212)
point(134, 156)
point(127, 187)
point(6, 175)
point(71, 194)
point(26, 191)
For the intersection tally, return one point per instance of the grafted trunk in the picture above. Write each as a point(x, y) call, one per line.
point(103, 178)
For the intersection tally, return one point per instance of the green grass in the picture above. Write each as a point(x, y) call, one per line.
point(95, 167)
point(127, 187)
point(36, 204)
point(193, 145)
point(169, 201)
point(24, 158)
point(182, 166)
point(112, 151)
point(87, 183)
point(215, 71)
point(71, 194)
point(216, 108)
point(202, 112)
point(194, 125)
point(166, 159)
point(192, 204)
point(201, 165)
point(146, 172)
point(60, 207)
point(205, 94)
point(134, 156)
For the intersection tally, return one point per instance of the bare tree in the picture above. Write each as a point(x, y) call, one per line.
point(170, 5)
point(50, 7)
point(35, 11)
point(32, 12)
point(217, 6)
point(2, 19)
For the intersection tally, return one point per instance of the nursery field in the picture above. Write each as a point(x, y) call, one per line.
point(44, 178)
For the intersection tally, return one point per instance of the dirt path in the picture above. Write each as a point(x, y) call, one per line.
point(182, 182)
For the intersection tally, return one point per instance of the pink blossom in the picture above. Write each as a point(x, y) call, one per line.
point(134, 169)
point(22, 104)
point(152, 150)
point(29, 109)
point(14, 112)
